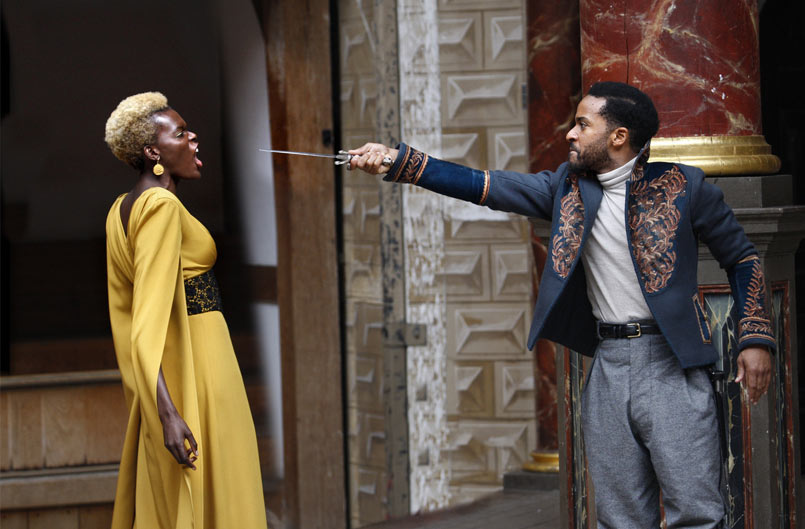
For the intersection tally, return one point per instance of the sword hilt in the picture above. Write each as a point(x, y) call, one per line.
point(343, 157)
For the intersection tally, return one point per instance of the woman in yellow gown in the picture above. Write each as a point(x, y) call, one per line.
point(190, 455)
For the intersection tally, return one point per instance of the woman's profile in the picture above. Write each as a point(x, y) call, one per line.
point(190, 454)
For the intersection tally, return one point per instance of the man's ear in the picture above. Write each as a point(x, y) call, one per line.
point(151, 153)
point(619, 137)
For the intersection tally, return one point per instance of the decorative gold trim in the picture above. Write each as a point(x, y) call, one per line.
point(543, 462)
point(420, 170)
point(396, 178)
point(764, 336)
point(486, 189)
point(753, 257)
point(718, 155)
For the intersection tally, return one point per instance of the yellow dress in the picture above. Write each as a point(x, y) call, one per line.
point(151, 327)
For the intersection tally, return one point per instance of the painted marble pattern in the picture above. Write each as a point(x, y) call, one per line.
point(782, 389)
point(699, 61)
point(544, 365)
point(554, 79)
point(720, 310)
point(578, 477)
point(722, 315)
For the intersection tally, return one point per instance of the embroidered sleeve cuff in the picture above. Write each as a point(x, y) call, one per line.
point(749, 289)
point(446, 178)
point(408, 167)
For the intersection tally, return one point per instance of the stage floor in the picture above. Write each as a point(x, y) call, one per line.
point(519, 509)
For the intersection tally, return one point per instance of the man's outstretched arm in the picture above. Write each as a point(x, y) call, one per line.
point(530, 195)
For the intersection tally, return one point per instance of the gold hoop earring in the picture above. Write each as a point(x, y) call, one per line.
point(158, 168)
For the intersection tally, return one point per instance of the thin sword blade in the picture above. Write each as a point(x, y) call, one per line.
point(296, 153)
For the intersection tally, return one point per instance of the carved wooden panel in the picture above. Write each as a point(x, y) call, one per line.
point(449, 5)
point(466, 230)
point(465, 147)
point(466, 273)
point(368, 497)
point(481, 451)
point(492, 331)
point(514, 387)
point(471, 389)
point(361, 214)
point(504, 46)
point(460, 41)
point(488, 98)
point(511, 272)
point(356, 47)
point(507, 149)
point(365, 382)
point(362, 269)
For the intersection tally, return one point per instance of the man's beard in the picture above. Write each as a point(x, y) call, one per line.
point(594, 157)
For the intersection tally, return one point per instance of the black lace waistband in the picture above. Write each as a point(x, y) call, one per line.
point(202, 293)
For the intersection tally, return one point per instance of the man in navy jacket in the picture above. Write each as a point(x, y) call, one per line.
point(648, 411)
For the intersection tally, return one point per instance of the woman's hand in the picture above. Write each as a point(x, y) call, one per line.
point(369, 158)
point(174, 430)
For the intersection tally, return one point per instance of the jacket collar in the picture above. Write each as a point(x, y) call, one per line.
point(642, 159)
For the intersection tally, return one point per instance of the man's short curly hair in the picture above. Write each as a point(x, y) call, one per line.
point(130, 128)
point(627, 106)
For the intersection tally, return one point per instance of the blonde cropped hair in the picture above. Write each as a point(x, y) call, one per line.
point(130, 128)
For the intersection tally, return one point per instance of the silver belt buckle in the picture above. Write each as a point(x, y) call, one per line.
point(639, 331)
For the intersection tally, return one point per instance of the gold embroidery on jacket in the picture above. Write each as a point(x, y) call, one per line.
point(414, 167)
point(756, 320)
point(653, 220)
point(565, 244)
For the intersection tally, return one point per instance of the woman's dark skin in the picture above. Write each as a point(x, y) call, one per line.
point(176, 149)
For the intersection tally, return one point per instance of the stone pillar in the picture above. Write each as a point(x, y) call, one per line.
point(699, 62)
point(554, 90)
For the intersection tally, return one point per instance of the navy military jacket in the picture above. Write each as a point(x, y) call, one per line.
point(669, 208)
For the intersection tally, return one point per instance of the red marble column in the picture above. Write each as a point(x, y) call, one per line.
point(554, 79)
point(699, 61)
point(554, 89)
point(544, 369)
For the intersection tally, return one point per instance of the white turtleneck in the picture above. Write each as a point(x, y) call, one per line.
point(612, 284)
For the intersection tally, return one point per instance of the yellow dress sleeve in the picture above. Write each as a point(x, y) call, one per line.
point(156, 240)
point(160, 338)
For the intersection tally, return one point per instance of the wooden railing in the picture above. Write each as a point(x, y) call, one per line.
point(61, 437)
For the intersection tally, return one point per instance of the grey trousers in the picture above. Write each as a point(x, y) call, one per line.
point(648, 426)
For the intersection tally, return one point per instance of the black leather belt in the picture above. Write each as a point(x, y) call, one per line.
point(627, 330)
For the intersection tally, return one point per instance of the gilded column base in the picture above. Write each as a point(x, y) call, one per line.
point(718, 155)
point(543, 462)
